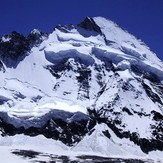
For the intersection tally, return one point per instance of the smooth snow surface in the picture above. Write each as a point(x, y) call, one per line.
point(95, 145)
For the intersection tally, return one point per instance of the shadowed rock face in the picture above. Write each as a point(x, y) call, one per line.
point(146, 145)
point(16, 46)
point(89, 24)
point(59, 125)
point(70, 128)
point(36, 37)
point(2, 67)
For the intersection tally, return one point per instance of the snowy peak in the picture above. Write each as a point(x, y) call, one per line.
point(94, 78)
point(118, 38)
point(36, 32)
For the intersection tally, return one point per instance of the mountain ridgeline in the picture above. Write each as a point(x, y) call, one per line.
point(81, 81)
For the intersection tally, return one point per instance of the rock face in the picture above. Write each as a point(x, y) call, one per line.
point(66, 84)
point(36, 37)
point(14, 47)
point(89, 24)
point(59, 125)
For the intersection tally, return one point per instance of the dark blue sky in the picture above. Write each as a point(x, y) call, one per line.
point(142, 18)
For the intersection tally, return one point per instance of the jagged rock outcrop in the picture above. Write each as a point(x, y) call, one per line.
point(89, 24)
point(36, 37)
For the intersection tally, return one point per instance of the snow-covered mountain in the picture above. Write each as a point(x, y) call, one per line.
point(91, 87)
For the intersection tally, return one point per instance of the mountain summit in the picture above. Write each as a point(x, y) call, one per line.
point(92, 87)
